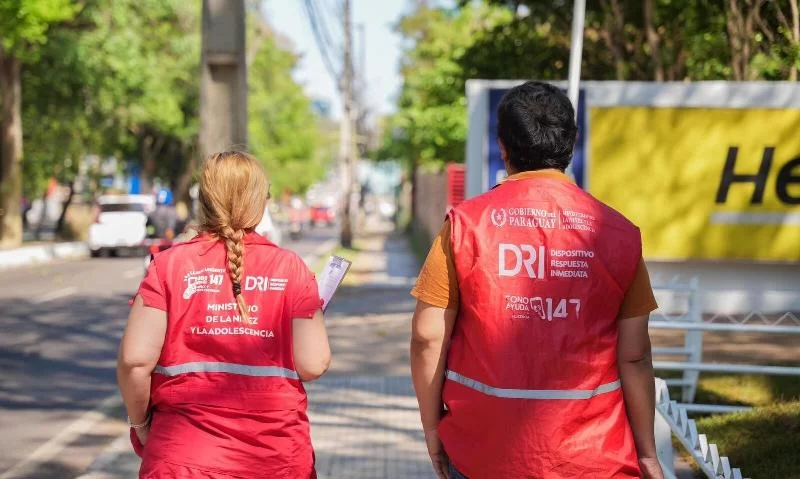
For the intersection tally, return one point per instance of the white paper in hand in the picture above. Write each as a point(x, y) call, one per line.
point(331, 277)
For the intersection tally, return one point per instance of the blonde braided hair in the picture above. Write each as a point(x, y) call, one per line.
point(233, 195)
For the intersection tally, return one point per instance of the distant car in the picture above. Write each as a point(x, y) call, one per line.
point(387, 208)
point(322, 215)
point(268, 229)
point(120, 224)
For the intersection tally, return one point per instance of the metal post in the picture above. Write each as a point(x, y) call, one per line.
point(575, 57)
point(576, 52)
point(694, 344)
point(663, 434)
point(223, 77)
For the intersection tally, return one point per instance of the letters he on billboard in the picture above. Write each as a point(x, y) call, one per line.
point(702, 183)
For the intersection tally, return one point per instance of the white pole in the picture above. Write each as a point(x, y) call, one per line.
point(576, 52)
point(575, 56)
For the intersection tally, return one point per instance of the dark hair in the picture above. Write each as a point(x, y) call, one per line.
point(536, 124)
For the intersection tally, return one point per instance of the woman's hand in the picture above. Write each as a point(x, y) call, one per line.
point(651, 468)
point(438, 457)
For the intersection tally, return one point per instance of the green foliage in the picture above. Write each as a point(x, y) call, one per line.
point(282, 128)
point(491, 39)
point(431, 120)
point(119, 71)
point(122, 79)
point(24, 23)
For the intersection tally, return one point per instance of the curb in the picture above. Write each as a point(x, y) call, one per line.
point(30, 255)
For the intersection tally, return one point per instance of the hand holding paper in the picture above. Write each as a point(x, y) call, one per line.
point(331, 277)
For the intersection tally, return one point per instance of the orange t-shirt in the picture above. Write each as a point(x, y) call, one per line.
point(437, 284)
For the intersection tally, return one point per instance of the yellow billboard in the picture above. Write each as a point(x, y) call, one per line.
point(701, 183)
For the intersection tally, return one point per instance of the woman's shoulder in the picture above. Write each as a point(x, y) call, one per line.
point(278, 254)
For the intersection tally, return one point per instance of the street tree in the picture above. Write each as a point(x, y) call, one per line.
point(24, 27)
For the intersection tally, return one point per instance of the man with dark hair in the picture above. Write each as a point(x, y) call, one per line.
point(536, 128)
point(530, 353)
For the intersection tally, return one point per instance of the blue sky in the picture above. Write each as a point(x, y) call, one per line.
point(382, 53)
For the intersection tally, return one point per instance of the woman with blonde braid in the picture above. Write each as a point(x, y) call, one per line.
point(222, 333)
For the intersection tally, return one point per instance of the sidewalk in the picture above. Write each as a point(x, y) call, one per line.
point(364, 417)
point(41, 253)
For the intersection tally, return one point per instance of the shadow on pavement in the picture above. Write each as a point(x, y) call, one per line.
point(53, 358)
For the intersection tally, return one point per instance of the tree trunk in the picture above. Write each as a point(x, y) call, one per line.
point(61, 223)
point(151, 149)
point(734, 26)
point(613, 32)
point(42, 217)
point(653, 40)
point(413, 194)
point(741, 34)
point(10, 150)
point(148, 164)
point(184, 181)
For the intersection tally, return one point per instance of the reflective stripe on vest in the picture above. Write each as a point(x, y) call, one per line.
point(533, 393)
point(242, 369)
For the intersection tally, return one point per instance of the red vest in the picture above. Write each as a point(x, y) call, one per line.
point(225, 395)
point(532, 387)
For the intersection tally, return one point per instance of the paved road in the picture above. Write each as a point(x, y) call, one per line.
point(61, 326)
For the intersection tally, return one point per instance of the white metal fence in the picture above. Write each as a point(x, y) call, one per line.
point(672, 418)
point(681, 310)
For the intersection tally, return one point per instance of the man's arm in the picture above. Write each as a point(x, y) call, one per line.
point(430, 340)
point(636, 373)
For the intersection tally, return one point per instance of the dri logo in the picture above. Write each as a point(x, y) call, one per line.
point(264, 283)
point(499, 217)
point(253, 283)
point(513, 258)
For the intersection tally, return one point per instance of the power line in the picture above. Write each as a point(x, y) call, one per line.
point(322, 38)
point(334, 9)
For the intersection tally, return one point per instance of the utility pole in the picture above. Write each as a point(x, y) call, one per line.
point(361, 88)
point(362, 53)
point(223, 77)
point(346, 149)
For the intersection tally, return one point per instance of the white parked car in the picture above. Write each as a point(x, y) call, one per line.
point(120, 223)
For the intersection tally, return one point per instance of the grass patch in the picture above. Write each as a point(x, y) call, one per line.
point(741, 389)
point(747, 390)
point(764, 443)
